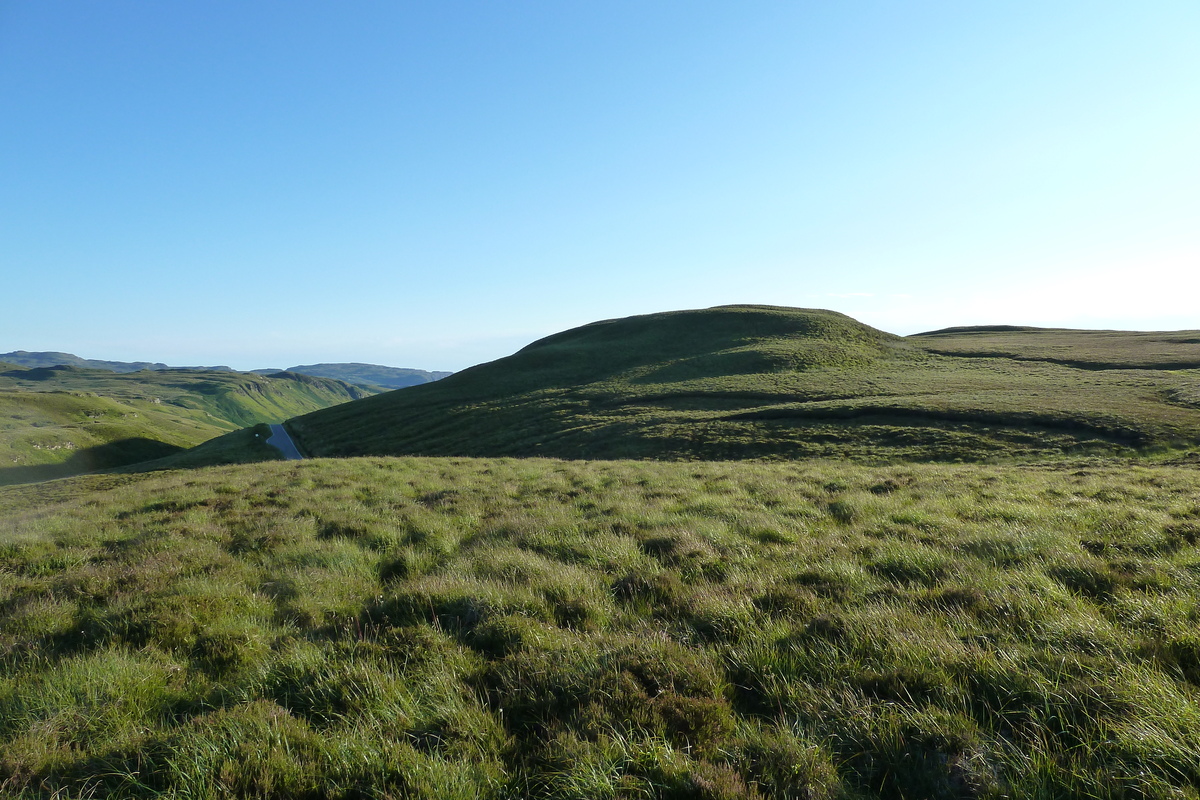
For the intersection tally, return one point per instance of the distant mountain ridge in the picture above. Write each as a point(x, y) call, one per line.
point(375, 375)
point(26, 358)
point(369, 374)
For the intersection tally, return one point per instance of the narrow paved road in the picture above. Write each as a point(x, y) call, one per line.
point(279, 439)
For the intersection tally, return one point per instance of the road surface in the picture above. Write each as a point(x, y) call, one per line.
point(279, 439)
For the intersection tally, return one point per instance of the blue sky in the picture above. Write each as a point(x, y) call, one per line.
point(436, 184)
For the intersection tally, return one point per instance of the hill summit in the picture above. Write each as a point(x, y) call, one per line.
point(684, 345)
point(765, 381)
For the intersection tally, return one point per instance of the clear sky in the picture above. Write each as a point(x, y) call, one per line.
point(435, 184)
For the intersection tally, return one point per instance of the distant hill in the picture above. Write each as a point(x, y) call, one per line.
point(760, 381)
point(373, 375)
point(64, 420)
point(24, 358)
point(367, 374)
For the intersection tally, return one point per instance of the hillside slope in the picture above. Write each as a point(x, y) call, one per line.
point(758, 381)
point(59, 421)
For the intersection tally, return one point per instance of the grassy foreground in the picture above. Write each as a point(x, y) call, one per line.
point(386, 628)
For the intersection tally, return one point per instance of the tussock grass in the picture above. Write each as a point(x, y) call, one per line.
point(535, 628)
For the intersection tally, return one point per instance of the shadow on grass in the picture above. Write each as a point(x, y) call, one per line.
point(119, 453)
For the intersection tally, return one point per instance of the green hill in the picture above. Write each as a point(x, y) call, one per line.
point(57, 421)
point(760, 381)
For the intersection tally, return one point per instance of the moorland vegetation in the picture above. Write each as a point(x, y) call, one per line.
point(776, 585)
point(416, 627)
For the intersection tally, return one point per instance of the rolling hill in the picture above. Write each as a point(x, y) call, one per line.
point(57, 421)
point(761, 381)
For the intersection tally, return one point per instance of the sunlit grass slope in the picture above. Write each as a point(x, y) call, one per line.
point(755, 381)
point(65, 420)
point(458, 628)
point(1165, 350)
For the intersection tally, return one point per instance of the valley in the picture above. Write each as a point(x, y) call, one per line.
point(58, 421)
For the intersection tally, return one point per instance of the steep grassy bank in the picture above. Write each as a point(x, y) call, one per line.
point(536, 628)
point(65, 420)
point(756, 381)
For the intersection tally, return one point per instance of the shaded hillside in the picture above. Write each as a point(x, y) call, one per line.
point(367, 374)
point(57, 421)
point(755, 381)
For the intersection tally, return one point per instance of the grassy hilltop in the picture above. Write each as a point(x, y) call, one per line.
point(758, 381)
point(57, 421)
point(480, 628)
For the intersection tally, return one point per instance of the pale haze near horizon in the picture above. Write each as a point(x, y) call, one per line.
point(431, 185)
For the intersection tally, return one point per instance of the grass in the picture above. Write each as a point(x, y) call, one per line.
point(65, 421)
point(454, 627)
point(1168, 350)
point(763, 382)
point(388, 627)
